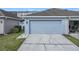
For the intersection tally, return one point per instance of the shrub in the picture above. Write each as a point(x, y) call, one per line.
point(16, 29)
point(19, 27)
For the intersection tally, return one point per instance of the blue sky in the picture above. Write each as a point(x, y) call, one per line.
point(73, 9)
point(24, 9)
point(34, 9)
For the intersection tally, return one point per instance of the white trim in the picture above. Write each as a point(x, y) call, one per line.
point(11, 17)
point(68, 17)
point(73, 16)
point(46, 16)
point(74, 19)
point(2, 16)
point(52, 16)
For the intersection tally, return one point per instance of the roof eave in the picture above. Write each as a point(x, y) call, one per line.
point(52, 16)
point(11, 18)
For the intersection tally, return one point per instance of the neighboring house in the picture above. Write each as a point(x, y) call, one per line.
point(7, 21)
point(52, 21)
point(22, 14)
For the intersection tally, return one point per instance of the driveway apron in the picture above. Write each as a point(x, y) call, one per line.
point(47, 42)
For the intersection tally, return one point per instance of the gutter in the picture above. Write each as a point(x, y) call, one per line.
point(52, 16)
point(11, 18)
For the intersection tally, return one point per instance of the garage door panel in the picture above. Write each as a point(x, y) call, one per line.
point(46, 27)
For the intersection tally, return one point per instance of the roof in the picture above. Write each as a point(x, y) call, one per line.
point(23, 11)
point(56, 12)
point(8, 14)
point(22, 14)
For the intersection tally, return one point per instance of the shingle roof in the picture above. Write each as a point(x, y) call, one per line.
point(56, 12)
point(8, 14)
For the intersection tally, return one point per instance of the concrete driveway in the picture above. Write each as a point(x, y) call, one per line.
point(47, 42)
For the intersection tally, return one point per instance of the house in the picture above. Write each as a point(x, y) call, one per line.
point(7, 21)
point(52, 21)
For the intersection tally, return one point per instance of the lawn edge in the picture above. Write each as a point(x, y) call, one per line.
point(72, 39)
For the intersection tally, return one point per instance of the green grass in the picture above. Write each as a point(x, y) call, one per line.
point(73, 39)
point(9, 42)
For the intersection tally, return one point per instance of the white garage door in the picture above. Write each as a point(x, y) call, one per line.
point(46, 27)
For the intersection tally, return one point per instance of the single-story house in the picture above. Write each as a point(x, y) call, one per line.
point(7, 21)
point(52, 21)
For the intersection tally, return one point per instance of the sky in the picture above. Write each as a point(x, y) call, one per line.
point(34, 9)
point(73, 9)
point(24, 9)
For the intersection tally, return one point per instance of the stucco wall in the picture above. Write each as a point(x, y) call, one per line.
point(65, 22)
point(21, 23)
point(26, 24)
point(9, 24)
point(1, 26)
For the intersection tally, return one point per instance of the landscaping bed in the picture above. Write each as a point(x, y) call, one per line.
point(73, 39)
point(9, 42)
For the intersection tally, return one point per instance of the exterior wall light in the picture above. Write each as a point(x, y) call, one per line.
point(26, 22)
point(0, 21)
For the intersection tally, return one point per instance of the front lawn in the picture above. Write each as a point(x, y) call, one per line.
point(73, 39)
point(9, 42)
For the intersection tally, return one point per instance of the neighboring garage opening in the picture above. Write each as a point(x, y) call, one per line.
point(74, 26)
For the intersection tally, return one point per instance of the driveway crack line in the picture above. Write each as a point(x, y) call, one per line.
point(45, 47)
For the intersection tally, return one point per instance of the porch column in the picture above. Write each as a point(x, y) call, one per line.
point(26, 25)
